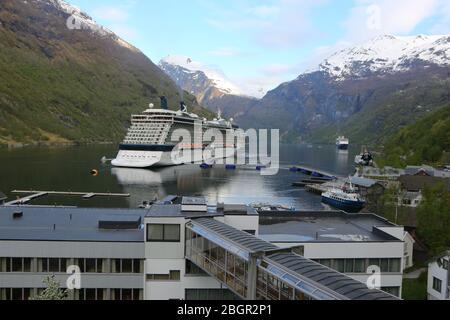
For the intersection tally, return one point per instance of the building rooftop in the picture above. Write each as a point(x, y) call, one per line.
point(246, 241)
point(361, 182)
point(49, 223)
point(33, 223)
point(332, 226)
point(417, 183)
point(427, 170)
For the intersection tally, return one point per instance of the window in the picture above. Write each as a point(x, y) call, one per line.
point(395, 291)
point(193, 270)
point(15, 264)
point(163, 233)
point(384, 265)
point(53, 265)
point(349, 266)
point(126, 294)
point(339, 265)
point(210, 294)
point(442, 263)
point(127, 266)
point(174, 275)
point(394, 265)
point(437, 285)
point(360, 266)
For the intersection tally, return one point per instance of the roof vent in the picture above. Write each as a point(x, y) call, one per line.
point(131, 223)
point(17, 215)
point(194, 204)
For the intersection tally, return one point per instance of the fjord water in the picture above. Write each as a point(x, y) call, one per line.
point(69, 169)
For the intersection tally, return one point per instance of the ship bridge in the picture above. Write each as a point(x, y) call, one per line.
point(254, 269)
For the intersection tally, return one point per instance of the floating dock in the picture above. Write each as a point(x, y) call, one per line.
point(315, 173)
point(34, 194)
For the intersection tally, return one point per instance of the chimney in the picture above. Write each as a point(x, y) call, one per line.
point(183, 107)
point(164, 103)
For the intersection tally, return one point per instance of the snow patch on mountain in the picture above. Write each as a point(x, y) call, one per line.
point(387, 54)
point(218, 78)
point(80, 20)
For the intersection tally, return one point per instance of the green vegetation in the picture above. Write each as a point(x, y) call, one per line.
point(59, 85)
point(427, 141)
point(415, 289)
point(53, 291)
point(384, 106)
point(433, 217)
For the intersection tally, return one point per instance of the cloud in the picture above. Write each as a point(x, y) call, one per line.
point(283, 24)
point(116, 19)
point(369, 18)
point(442, 24)
point(265, 11)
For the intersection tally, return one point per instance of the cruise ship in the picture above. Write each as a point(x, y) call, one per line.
point(148, 142)
point(342, 143)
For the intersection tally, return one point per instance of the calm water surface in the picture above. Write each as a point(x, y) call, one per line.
point(68, 169)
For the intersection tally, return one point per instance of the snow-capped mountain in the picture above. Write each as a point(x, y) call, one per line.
point(79, 20)
point(366, 92)
point(387, 54)
point(208, 84)
point(198, 78)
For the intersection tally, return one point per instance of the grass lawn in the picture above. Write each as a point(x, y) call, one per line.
point(415, 289)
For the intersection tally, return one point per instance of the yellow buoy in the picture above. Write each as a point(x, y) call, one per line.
point(94, 172)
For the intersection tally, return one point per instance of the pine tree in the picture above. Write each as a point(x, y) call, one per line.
point(53, 290)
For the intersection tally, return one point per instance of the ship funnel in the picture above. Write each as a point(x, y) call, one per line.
point(164, 103)
point(183, 107)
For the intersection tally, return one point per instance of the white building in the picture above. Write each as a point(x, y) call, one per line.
point(348, 243)
point(179, 248)
point(408, 260)
point(439, 278)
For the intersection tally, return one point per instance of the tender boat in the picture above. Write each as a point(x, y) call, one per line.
point(346, 200)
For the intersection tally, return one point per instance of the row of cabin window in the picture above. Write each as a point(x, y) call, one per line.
point(60, 265)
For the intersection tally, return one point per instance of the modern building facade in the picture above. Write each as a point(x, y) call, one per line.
point(179, 248)
point(439, 278)
point(348, 243)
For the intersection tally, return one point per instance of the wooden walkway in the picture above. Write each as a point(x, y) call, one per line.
point(35, 194)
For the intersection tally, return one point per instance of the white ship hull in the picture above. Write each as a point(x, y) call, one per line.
point(149, 159)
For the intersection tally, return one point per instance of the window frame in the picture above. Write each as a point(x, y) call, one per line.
point(437, 283)
point(163, 240)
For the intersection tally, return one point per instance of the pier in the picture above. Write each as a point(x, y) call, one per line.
point(315, 173)
point(34, 194)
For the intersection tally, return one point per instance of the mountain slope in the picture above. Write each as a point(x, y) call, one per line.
point(366, 92)
point(59, 84)
point(427, 141)
point(209, 85)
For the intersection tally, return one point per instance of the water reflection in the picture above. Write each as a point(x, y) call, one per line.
point(67, 169)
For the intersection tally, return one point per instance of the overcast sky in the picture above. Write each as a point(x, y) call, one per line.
point(260, 44)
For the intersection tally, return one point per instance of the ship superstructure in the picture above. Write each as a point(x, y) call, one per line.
point(157, 137)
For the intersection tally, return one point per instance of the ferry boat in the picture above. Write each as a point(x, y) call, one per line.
point(346, 200)
point(148, 142)
point(342, 143)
